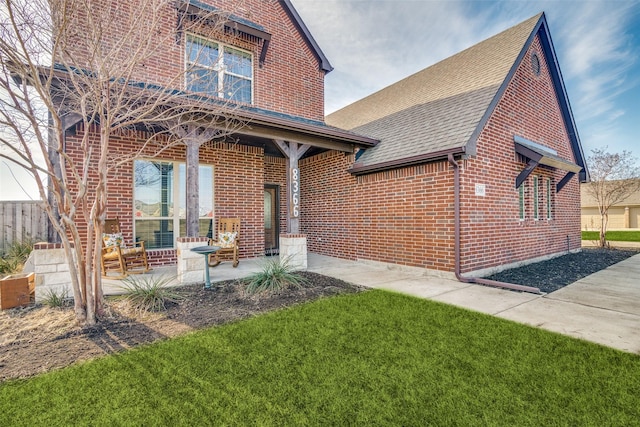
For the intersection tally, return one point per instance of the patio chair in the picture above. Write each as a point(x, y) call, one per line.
point(228, 240)
point(118, 257)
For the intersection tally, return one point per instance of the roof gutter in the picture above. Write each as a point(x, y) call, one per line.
point(318, 130)
point(476, 280)
point(407, 161)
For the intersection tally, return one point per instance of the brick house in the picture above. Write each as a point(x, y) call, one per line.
point(494, 117)
point(465, 166)
point(622, 216)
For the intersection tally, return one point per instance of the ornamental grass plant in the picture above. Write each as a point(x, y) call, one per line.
point(275, 275)
point(149, 293)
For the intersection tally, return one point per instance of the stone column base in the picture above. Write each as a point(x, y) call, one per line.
point(190, 266)
point(293, 248)
point(49, 262)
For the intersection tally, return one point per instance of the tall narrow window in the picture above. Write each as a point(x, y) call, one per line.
point(536, 193)
point(159, 191)
point(548, 198)
point(219, 70)
point(521, 201)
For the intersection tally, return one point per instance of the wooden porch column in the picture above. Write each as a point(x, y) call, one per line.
point(293, 151)
point(193, 137)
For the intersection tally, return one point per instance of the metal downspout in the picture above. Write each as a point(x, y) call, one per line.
point(477, 280)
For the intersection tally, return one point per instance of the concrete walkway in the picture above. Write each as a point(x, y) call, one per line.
point(603, 308)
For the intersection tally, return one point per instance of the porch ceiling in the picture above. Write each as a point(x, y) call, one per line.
point(270, 148)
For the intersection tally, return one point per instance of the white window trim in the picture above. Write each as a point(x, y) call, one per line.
point(549, 200)
point(220, 67)
point(176, 199)
point(536, 200)
point(522, 205)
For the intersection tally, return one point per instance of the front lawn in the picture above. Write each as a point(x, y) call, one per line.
point(614, 236)
point(374, 358)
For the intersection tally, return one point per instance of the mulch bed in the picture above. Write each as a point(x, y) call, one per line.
point(557, 273)
point(37, 339)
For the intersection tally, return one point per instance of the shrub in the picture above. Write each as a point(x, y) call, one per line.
point(15, 256)
point(276, 274)
point(149, 293)
point(55, 299)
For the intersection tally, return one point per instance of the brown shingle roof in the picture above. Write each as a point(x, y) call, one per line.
point(440, 107)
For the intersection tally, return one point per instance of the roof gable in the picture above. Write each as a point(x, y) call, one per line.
point(301, 26)
point(442, 109)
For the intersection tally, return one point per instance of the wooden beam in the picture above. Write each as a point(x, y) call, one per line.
point(193, 137)
point(564, 181)
point(526, 172)
point(284, 135)
point(293, 152)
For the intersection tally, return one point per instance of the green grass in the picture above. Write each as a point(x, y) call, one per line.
point(614, 236)
point(375, 358)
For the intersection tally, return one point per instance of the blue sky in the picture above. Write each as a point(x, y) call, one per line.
point(373, 43)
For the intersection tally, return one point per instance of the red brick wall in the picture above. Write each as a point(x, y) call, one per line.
point(491, 229)
point(290, 81)
point(405, 216)
point(238, 184)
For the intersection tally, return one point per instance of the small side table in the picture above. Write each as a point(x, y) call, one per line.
point(206, 251)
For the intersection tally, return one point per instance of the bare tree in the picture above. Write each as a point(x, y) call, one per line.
point(91, 66)
point(614, 177)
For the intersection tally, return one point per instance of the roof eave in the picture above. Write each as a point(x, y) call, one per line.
point(302, 27)
point(408, 161)
point(558, 82)
point(307, 128)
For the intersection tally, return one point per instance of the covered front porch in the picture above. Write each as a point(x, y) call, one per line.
point(361, 272)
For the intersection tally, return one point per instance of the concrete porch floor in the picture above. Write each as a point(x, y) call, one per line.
point(603, 308)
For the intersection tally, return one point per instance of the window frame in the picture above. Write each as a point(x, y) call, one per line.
point(176, 200)
point(536, 201)
point(549, 199)
point(521, 203)
point(220, 68)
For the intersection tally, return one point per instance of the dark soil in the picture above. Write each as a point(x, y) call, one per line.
point(38, 339)
point(559, 272)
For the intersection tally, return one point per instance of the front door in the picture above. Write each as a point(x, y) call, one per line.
point(271, 220)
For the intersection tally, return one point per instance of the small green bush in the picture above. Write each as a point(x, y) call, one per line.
point(8, 266)
point(55, 299)
point(149, 293)
point(15, 256)
point(276, 274)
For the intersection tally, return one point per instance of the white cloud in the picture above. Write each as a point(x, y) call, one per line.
point(374, 43)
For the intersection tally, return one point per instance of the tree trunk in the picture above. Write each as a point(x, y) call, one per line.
point(604, 220)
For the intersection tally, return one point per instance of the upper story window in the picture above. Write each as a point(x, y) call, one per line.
point(219, 70)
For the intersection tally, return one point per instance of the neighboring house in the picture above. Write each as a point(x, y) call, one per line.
point(623, 215)
point(468, 165)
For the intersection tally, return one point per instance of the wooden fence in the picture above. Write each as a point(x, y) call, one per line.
point(20, 221)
